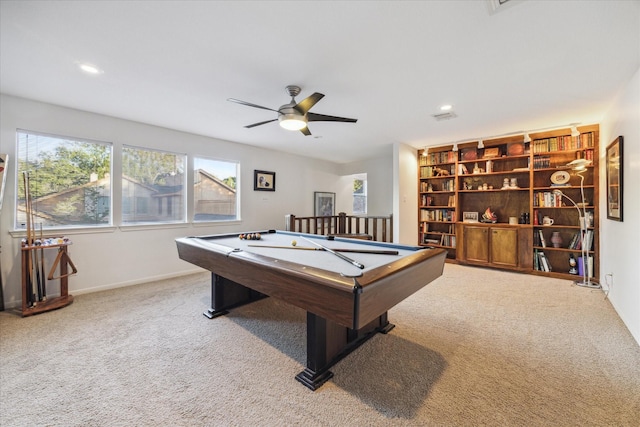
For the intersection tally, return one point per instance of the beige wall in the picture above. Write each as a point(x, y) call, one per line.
point(619, 252)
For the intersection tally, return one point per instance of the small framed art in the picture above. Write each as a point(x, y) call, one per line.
point(469, 216)
point(264, 181)
point(614, 180)
point(324, 204)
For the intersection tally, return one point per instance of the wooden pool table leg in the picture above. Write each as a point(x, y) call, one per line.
point(328, 343)
point(226, 294)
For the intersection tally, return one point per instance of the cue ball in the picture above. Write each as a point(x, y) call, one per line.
point(293, 243)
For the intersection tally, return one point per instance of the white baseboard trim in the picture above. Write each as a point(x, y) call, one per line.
point(139, 281)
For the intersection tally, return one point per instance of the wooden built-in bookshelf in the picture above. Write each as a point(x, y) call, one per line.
point(514, 178)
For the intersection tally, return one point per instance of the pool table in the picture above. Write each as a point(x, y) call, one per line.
point(346, 304)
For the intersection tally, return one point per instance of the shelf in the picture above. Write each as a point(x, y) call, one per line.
point(551, 248)
point(495, 159)
point(511, 172)
point(436, 222)
point(438, 233)
point(495, 190)
point(438, 177)
point(577, 227)
point(572, 187)
point(562, 207)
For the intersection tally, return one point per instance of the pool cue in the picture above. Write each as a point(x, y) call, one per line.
point(338, 254)
point(31, 298)
point(37, 285)
point(306, 248)
point(44, 278)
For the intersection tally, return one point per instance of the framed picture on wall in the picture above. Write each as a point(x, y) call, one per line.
point(3, 166)
point(264, 181)
point(614, 180)
point(324, 204)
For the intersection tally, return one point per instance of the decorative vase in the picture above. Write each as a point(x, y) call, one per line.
point(556, 240)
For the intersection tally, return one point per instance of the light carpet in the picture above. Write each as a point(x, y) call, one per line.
point(476, 347)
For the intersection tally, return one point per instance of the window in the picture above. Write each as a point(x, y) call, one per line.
point(152, 186)
point(69, 181)
point(215, 194)
point(360, 195)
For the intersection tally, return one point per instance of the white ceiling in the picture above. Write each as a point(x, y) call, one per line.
point(390, 64)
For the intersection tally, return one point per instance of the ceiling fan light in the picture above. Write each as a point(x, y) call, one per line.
point(292, 121)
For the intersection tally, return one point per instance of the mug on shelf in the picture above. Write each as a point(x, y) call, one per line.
point(547, 221)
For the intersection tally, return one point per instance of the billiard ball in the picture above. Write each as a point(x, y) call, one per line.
point(293, 243)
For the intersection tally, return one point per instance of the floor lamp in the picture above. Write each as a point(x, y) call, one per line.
point(580, 166)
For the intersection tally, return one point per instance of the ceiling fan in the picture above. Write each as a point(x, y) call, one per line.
point(296, 115)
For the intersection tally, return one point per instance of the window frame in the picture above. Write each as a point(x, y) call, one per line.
point(193, 183)
point(134, 210)
point(20, 227)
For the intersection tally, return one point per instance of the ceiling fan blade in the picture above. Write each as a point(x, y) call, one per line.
point(305, 105)
point(261, 123)
point(306, 131)
point(313, 117)
point(248, 104)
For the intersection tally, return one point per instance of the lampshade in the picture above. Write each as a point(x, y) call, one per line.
point(291, 121)
point(455, 147)
point(480, 144)
point(579, 164)
point(527, 138)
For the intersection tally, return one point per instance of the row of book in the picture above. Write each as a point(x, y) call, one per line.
point(542, 263)
point(437, 158)
point(436, 215)
point(431, 201)
point(450, 229)
point(445, 185)
point(541, 162)
point(576, 242)
point(563, 143)
point(448, 240)
point(547, 199)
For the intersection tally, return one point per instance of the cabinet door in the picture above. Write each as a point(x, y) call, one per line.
point(476, 243)
point(504, 246)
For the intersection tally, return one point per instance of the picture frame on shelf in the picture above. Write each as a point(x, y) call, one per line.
point(469, 216)
point(264, 181)
point(515, 149)
point(469, 154)
point(614, 180)
point(324, 203)
point(492, 152)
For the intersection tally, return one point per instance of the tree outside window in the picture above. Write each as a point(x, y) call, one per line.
point(69, 181)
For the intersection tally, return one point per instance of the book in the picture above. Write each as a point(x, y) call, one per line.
point(543, 242)
point(545, 262)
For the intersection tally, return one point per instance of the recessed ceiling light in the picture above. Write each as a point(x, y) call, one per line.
point(446, 107)
point(89, 68)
